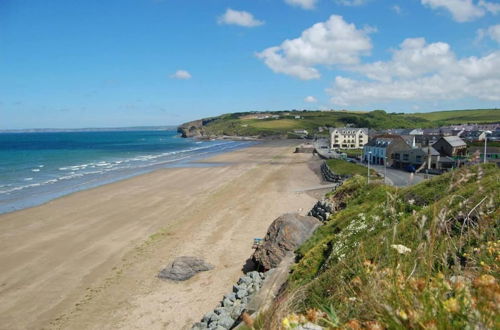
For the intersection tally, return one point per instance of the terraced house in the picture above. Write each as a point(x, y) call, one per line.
point(348, 138)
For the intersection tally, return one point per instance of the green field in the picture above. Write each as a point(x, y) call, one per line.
point(239, 124)
point(342, 167)
point(462, 116)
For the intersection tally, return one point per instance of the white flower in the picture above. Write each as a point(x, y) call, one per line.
point(401, 248)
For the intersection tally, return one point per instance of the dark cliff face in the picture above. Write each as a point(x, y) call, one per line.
point(191, 129)
point(194, 128)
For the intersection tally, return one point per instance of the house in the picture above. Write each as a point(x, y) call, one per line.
point(348, 138)
point(417, 157)
point(451, 146)
point(381, 148)
point(473, 135)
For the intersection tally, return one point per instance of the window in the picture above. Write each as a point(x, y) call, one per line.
point(418, 159)
point(396, 156)
point(406, 156)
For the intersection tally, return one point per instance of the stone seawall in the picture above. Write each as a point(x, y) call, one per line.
point(329, 176)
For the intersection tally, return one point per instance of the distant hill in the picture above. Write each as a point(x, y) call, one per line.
point(284, 122)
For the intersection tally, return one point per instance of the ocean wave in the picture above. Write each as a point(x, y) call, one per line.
point(79, 171)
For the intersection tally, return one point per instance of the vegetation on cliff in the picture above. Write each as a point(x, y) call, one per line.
point(284, 122)
point(425, 256)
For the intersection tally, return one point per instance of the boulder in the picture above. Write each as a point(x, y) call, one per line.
point(284, 235)
point(183, 268)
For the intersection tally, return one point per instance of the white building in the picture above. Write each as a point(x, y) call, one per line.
point(348, 138)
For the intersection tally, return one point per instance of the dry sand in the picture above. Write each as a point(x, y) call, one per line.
point(89, 260)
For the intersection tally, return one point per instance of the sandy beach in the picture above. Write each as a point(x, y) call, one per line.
point(89, 260)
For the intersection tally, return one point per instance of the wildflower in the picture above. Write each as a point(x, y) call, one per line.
point(484, 281)
point(451, 305)
point(373, 325)
point(401, 248)
point(402, 314)
point(313, 315)
point(357, 281)
point(411, 201)
point(353, 324)
point(285, 323)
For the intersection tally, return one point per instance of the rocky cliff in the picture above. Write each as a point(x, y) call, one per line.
point(194, 128)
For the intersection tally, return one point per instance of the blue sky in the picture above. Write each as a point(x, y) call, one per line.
point(152, 62)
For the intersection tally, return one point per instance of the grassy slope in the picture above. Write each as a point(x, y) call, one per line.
point(342, 167)
point(462, 116)
point(240, 124)
point(349, 275)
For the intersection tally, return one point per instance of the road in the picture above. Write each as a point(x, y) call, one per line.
point(398, 178)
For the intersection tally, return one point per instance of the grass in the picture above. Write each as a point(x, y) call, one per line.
point(352, 152)
point(239, 124)
point(462, 116)
point(342, 167)
point(425, 256)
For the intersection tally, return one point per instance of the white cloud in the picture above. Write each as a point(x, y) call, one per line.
point(420, 71)
point(464, 10)
point(304, 4)
point(351, 3)
point(181, 74)
point(461, 10)
point(241, 18)
point(328, 43)
point(310, 99)
point(397, 9)
point(492, 32)
point(493, 8)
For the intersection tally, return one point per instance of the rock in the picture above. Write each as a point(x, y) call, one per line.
point(231, 296)
point(245, 280)
point(183, 268)
point(206, 318)
point(284, 235)
point(226, 322)
point(241, 294)
point(236, 312)
point(200, 326)
point(227, 303)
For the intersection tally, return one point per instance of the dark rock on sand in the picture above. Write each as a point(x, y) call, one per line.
point(284, 235)
point(183, 268)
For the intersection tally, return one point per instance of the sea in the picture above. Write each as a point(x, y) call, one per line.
point(36, 167)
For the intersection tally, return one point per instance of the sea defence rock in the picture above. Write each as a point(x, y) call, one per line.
point(322, 210)
point(284, 235)
point(228, 312)
point(183, 268)
point(329, 176)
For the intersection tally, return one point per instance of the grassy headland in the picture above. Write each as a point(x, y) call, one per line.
point(425, 256)
point(249, 124)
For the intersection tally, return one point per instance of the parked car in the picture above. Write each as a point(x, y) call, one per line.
point(410, 168)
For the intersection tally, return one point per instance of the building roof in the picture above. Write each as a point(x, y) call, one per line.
point(348, 130)
point(433, 151)
point(384, 140)
point(454, 141)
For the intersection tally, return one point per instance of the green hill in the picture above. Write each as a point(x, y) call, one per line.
point(425, 256)
point(253, 123)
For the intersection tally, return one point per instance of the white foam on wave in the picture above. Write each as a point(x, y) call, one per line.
point(28, 179)
point(35, 170)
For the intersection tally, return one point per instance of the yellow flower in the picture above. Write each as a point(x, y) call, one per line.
point(285, 323)
point(451, 305)
point(402, 314)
